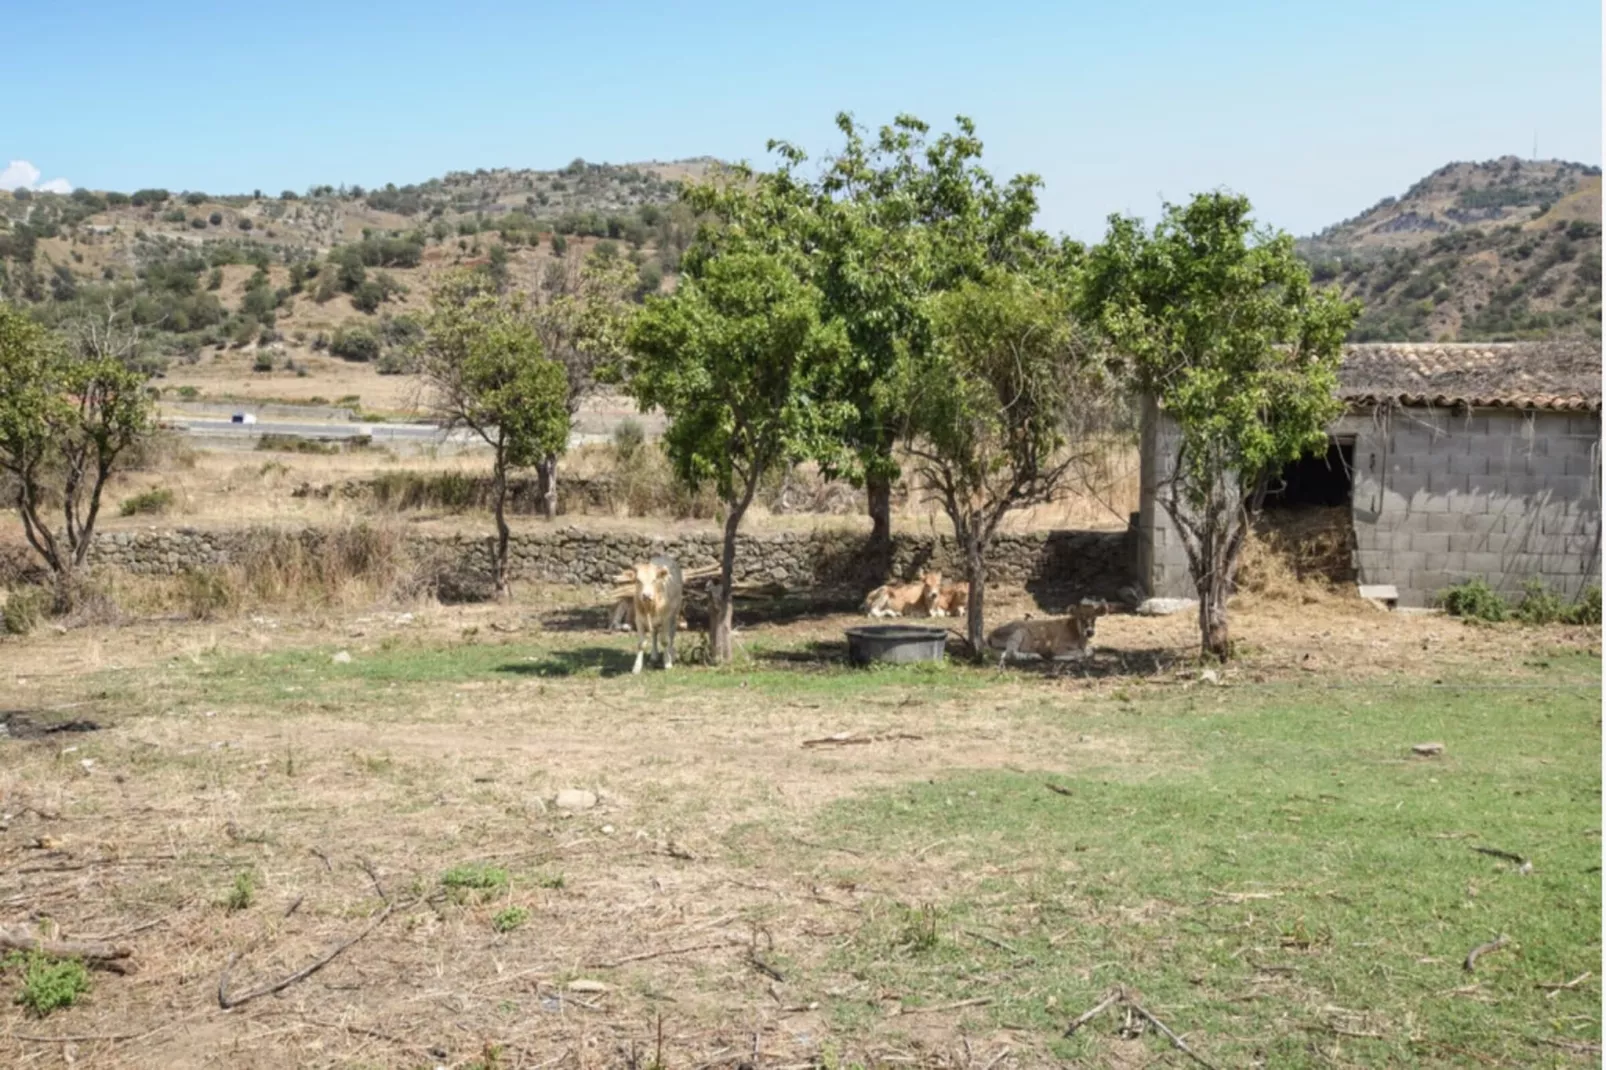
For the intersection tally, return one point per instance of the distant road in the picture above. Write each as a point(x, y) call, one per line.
point(301, 429)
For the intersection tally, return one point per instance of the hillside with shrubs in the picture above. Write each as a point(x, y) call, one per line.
point(274, 282)
point(1502, 250)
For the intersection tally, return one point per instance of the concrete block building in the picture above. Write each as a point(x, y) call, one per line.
point(1453, 461)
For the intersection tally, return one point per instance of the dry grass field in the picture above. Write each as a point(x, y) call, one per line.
point(792, 864)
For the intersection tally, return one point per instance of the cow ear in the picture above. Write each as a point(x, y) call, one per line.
point(663, 572)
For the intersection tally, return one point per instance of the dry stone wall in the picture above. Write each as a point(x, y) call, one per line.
point(1088, 563)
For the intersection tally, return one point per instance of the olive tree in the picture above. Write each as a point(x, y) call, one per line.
point(740, 360)
point(1224, 331)
point(482, 362)
point(71, 410)
point(1007, 406)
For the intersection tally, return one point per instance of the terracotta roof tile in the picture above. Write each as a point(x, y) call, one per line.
point(1528, 375)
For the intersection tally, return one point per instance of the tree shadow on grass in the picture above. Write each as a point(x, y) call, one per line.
point(816, 654)
point(603, 660)
point(577, 618)
point(1105, 664)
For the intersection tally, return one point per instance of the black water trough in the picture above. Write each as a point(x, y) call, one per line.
point(896, 644)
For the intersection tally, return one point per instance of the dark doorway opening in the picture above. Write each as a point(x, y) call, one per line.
point(1320, 480)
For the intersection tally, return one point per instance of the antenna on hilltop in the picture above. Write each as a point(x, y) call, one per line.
point(1536, 145)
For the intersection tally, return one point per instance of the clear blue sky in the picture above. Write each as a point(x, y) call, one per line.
point(1314, 110)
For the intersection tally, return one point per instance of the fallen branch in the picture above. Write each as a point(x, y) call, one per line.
point(105, 956)
point(643, 956)
point(77, 1038)
point(984, 938)
point(373, 875)
point(1524, 866)
point(1483, 949)
point(1175, 1040)
point(1582, 1046)
point(979, 1001)
point(845, 739)
point(1119, 995)
point(228, 1002)
point(1057, 790)
point(764, 968)
point(1553, 990)
point(1111, 998)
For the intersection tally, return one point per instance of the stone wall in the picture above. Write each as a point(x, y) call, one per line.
point(1079, 563)
point(1439, 497)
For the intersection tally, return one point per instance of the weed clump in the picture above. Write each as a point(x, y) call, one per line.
point(153, 502)
point(50, 984)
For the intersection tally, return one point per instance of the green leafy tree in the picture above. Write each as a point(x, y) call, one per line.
point(482, 360)
point(1226, 334)
point(741, 360)
point(582, 319)
point(1009, 403)
point(70, 410)
point(888, 222)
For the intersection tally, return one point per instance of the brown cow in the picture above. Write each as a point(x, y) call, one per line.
point(953, 601)
point(1067, 638)
point(905, 599)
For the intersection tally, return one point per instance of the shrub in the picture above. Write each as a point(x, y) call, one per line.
point(368, 297)
point(175, 215)
point(1539, 605)
point(116, 200)
point(355, 343)
point(216, 219)
point(1474, 600)
point(396, 362)
point(242, 893)
point(1586, 610)
point(511, 918)
point(245, 224)
point(50, 984)
point(189, 393)
point(197, 223)
point(560, 244)
point(194, 198)
point(24, 609)
point(148, 196)
point(155, 501)
point(263, 362)
point(206, 593)
point(627, 439)
point(292, 444)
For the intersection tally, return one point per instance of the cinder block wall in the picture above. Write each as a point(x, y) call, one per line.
point(1439, 497)
point(1506, 495)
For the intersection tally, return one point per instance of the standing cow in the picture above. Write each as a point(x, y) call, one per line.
point(656, 607)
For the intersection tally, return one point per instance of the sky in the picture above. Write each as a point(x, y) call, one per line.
point(1313, 110)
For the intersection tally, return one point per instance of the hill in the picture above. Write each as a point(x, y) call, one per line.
point(261, 287)
point(1501, 250)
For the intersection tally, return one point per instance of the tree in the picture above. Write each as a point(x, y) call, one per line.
point(70, 410)
point(740, 359)
point(483, 362)
point(582, 319)
point(1009, 402)
point(887, 223)
point(1226, 334)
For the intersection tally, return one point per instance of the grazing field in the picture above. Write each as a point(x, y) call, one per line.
point(793, 864)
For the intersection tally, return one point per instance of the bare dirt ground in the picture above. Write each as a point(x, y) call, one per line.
point(695, 916)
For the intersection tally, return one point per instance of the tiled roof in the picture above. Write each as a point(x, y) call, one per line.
point(1525, 375)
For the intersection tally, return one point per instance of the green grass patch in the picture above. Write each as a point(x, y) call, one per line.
point(1294, 876)
point(511, 918)
point(49, 984)
point(474, 877)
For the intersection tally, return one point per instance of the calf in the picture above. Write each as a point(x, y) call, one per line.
point(905, 599)
point(1066, 638)
point(953, 601)
point(656, 608)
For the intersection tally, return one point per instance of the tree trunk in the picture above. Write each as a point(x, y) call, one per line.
point(719, 614)
point(878, 489)
point(975, 613)
point(1214, 641)
point(546, 486)
point(499, 550)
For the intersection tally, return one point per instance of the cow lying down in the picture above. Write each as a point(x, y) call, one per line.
point(1067, 638)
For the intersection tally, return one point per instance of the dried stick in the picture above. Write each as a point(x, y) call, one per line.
point(373, 875)
point(228, 1002)
point(1112, 997)
point(1175, 1040)
point(1483, 949)
point(1057, 790)
point(106, 956)
point(1552, 991)
point(657, 954)
point(1495, 852)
